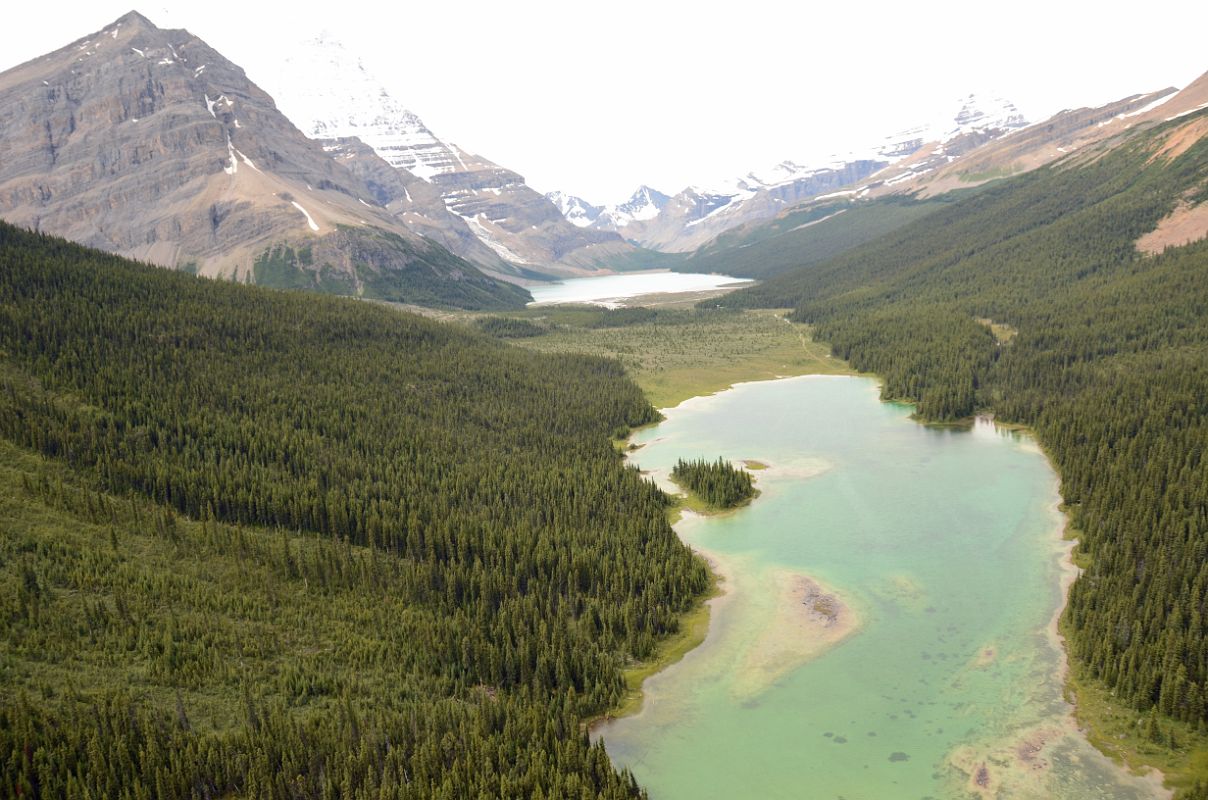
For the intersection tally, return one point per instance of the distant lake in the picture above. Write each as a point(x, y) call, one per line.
point(609, 290)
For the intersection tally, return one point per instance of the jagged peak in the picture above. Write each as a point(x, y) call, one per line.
point(133, 19)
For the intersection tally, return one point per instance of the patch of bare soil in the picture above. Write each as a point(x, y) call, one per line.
point(1184, 225)
point(1182, 138)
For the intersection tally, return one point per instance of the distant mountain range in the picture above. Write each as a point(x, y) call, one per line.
point(924, 182)
point(697, 215)
point(644, 204)
point(149, 143)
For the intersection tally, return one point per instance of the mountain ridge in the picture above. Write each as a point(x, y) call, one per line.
point(149, 143)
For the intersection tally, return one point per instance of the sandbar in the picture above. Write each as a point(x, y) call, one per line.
point(807, 620)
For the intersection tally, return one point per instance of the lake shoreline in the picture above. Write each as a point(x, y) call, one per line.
point(1028, 748)
point(696, 623)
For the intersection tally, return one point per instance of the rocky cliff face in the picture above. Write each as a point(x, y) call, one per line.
point(327, 91)
point(414, 202)
point(149, 143)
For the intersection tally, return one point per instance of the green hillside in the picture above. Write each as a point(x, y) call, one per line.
point(262, 543)
point(387, 267)
point(1109, 365)
point(808, 236)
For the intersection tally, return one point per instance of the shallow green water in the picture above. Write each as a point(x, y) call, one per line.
point(943, 543)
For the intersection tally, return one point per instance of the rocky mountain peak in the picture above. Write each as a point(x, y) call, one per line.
point(994, 113)
point(645, 203)
point(577, 211)
point(326, 90)
point(133, 19)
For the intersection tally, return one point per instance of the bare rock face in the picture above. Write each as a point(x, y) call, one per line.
point(414, 202)
point(149, 143)
point(326, 90)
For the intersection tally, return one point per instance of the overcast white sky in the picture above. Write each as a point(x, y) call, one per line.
point(597, 98)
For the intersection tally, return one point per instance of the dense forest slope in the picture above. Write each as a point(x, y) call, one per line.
point(1030, 299)
point(805, 236)
point(275, 544)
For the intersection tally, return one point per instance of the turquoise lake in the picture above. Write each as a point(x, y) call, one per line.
point(923, 664)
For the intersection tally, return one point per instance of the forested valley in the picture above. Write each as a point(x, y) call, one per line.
point(262, 543)
point(1030, 300)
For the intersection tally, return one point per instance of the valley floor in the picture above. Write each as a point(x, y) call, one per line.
point(683, 354)
point(686, 354)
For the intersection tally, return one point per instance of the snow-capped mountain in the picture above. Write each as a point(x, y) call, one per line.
point(926, 148)
point(328, 93)
point(644, 204)
point(576, 210)
point(994, 117)
point(326, 90)
point(695, 215)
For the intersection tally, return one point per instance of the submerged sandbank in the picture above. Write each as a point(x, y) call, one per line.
point(1021, 764)
point(806, 620)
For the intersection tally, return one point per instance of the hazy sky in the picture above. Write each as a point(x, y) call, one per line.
point(596, 98)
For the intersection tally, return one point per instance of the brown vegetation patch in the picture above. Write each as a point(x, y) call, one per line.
point(1182, 226)
point(1182, 138)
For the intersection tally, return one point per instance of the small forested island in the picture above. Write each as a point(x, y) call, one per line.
point(718, 483)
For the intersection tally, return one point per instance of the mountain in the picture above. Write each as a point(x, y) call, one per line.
point(806, 234)
point(576, 210)
point(644, 204)
point(149, 143)
point(330, 95)
point(328, 92)
point(697, 215)
point(1064, 133)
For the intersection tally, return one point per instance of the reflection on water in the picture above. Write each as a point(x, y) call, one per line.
point(940, 546)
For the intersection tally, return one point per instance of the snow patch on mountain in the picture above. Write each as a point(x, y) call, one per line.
point(644, 204)
point(478, 225)
point(992, 116)
point(577, 211)
point(326, 91)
